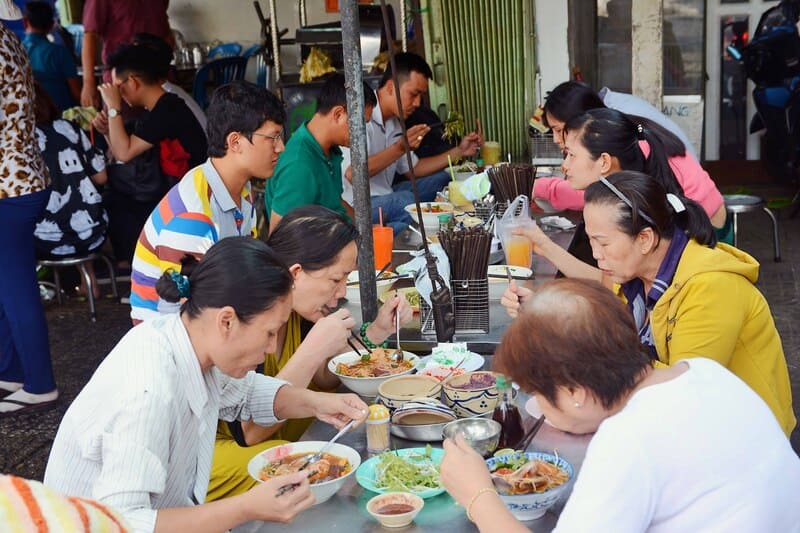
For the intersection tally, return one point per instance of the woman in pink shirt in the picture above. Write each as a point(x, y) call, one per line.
point(600, 142)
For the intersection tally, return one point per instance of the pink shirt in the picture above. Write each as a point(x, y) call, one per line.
point(696, 183)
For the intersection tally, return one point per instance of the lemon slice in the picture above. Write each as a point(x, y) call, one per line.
point(504, 451)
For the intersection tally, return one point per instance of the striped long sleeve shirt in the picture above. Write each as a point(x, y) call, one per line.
point(193, 216)
point(140, 436)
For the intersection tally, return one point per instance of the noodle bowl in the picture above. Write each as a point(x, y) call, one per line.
point(361, 378)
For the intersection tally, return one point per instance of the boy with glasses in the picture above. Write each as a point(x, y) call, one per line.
point(213, 200)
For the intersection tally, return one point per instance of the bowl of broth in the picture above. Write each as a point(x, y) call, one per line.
point(395, 509)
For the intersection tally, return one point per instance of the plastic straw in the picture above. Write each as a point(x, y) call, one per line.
point(380, 216)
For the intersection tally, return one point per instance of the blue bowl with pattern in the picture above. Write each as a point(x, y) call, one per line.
point(471, 394)
point(531, 505)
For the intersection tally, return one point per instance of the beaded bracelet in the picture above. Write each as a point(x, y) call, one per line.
point(484, 490)
point(371, 345)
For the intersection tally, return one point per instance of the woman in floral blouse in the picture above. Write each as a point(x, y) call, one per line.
point(26, 373)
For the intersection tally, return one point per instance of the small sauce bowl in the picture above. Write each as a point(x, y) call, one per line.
point(395, 509)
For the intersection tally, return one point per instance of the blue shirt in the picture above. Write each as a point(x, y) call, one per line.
point(52, 66)
point(18, 27)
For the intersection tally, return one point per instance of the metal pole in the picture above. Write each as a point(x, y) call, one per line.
point(403, 32)
point(351, 45)
point(303, 14)
point(276, 46)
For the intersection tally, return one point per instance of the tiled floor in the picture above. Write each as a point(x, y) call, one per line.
point(78, 345)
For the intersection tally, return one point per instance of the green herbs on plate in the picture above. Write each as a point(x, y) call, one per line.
point(415, 472)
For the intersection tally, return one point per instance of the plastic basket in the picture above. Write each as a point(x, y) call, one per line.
point(544, 151)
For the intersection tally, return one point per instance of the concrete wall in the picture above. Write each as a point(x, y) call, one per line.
point(552, 50)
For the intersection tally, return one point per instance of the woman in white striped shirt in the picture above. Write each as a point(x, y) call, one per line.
point(140, 436)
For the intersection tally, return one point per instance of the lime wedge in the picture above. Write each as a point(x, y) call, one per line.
point(504, 451)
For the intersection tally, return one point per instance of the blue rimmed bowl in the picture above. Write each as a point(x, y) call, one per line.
point(533, 505)
point(467, 402)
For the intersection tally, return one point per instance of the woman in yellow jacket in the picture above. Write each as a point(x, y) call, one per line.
point(319, 246)
point(689, 295)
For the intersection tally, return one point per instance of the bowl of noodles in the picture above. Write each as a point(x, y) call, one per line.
point(364, 375)
point(326, 475)
point(529, 483)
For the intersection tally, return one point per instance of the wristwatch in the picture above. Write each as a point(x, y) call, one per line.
point(113, 113)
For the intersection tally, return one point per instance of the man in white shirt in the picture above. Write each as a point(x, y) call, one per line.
point(387, 151)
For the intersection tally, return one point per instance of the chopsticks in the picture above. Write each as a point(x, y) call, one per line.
point(526, 439)
point(510, 180)
point(468, 251)
point(390, 278)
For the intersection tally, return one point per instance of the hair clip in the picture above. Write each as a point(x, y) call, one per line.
point(676, 203)
point(182, 282)
point(640, 128)
point(625, 200)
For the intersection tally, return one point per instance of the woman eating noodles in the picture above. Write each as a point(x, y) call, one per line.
point(689, 296)
point(684, 448)
point(140, 436)
point(319, 246)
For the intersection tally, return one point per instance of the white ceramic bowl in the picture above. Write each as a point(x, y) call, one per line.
point(354, 291)
point(534, 505)
point(429, 219)
point(395, 520)
point(498, 285)
point(322, 491)
point(366, 386)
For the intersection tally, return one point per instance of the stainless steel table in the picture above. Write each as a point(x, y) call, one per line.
point(414, 340)
point(346, 510)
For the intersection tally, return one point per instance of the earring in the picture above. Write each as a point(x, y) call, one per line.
point(577, 404)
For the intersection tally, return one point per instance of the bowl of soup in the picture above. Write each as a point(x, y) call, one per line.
point(326, 475)
point(364, 375)
point(529, 483)
point(430, 214)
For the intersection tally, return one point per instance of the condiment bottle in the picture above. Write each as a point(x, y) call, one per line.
point(377, 429)
point(507, 414)
point(446, 222)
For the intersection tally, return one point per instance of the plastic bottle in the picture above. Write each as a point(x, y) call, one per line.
point(446, 222)
point(507, 414)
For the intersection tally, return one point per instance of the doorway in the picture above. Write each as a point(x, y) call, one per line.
point(728, 93)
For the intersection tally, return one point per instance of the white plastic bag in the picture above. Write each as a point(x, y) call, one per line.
point(418, 266)
point(517, 248)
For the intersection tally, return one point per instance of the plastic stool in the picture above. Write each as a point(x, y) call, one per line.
point(745, 203)
point(80, 262)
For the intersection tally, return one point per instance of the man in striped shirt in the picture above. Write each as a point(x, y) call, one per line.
point(213, 200)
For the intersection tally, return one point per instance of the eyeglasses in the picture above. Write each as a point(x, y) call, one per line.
point(278, 137)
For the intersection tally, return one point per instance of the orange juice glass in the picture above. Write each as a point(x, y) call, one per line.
point(382, 238)
point(518, 251)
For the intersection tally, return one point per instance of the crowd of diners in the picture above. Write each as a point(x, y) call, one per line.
point(656, 341)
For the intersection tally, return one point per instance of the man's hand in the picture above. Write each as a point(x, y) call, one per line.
point(100, 122)
point(470, 144)
point(415, 134)
point(111, 95)
point(89, 95)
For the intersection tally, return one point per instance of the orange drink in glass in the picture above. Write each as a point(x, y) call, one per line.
point(518, 251)
point(382, 238)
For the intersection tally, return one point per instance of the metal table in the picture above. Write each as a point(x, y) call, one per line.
point(346, 510)
point(414, 340)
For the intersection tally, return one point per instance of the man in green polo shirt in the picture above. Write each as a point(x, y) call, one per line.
point(309, 170)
